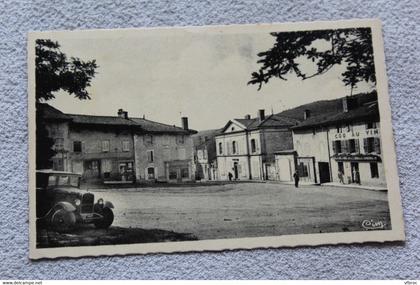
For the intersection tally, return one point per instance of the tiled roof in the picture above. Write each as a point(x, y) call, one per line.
point(52, 113)
point(366, 111)
point(101, 120)
point(151, 126)
point(272, 121)
point(199, 139)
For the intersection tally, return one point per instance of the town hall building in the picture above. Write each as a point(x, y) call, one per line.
point(246, 147)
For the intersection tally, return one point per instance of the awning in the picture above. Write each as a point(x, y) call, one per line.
point(357, 157)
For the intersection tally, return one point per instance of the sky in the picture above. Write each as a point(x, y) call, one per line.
point(165, 74)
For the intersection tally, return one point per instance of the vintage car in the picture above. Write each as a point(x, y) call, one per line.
point(62, 205)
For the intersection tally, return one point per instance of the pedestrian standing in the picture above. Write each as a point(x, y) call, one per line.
point(341, 176)
point(296, 177)
point(230, 176)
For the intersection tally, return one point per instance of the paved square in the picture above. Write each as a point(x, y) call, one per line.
point(247, 209)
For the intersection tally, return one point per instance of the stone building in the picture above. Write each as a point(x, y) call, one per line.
point(205, 157)
point(345, 140)
point(163, 152)
point(119, 148)
point(246, 147)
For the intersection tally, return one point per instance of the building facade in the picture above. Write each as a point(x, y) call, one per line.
point(205, 157)
point(246, 147)
point(163, 152)
point(119, 149)
point(342, 146)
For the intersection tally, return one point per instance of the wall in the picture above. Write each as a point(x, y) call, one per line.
point(310, 144)
point(369, 261)
point(91, 139)
point(60, 130)
point(165, 147)
point(275, 140)
point(358, 132)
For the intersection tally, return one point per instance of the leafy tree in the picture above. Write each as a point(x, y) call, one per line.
point(350, 46)
point(54, 72)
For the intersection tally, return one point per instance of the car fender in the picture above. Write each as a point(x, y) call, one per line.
point(108, 204)
point(65, 205)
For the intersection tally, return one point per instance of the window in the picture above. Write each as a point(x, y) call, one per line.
point(253, 145)
point(233, 147)
point(180, 139)
point(372, 145)
point(150, 157)
point(77, 146)
point(150, 173)
point(220, 148)
point(349, 127)
point(173, 174)
point(352, 146)
point(232, 129)
point(184, 173)
point(92, 165)
point(374, 173)
point(303, 170)
point(148, 139)
point(372, 125)
point(337, 147)
point(58, 164)
point(59, 144)
point(126, 146)
point(339, 129)
point(105, 146)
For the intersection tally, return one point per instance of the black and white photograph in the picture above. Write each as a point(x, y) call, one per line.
point(210, 138)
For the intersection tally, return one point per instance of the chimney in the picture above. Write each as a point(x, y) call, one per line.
point(184, 123)
point(306, 114)
point(122, 114)
point(261, 114)
point(248, 117)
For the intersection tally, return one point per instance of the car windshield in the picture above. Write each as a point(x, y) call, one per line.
point(63, 180)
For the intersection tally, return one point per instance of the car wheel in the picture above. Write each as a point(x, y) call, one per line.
point(62, 220)
point(107, 219)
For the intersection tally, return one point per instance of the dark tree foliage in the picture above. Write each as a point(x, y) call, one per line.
point(54, 71)
point(352, 47)
point(44, 144)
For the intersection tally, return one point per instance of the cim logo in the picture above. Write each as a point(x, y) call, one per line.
point(373, 224)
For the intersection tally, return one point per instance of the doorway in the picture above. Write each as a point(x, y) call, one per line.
point(151, 173)
point(235, 170)
point(92, 169)
point(355, 175)
point(324, 172)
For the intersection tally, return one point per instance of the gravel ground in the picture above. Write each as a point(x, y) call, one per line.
point(246, 209)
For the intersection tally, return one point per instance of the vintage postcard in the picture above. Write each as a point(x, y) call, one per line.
point(210, 138)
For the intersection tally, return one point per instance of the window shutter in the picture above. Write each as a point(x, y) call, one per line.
point(334, 146)
point(366, 145)
point(344, 146)
point(357, 145)
point(377, 145)
point(83, 147)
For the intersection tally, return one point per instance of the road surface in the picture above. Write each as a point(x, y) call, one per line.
point(247, 209)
